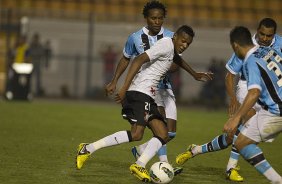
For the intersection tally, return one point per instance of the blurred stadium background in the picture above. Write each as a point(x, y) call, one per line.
point(79, 29)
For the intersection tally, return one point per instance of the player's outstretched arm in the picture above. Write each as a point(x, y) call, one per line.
point(199, 76)
point(121, 67)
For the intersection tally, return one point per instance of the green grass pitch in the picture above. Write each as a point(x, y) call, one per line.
point(39, 142)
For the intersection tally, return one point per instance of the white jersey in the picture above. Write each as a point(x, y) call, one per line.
point(161, 57)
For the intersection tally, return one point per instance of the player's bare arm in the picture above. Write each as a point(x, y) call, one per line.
point(121, 67)
point(250, 100)
point(230, 89)
point(133, 70)
point(199, 76)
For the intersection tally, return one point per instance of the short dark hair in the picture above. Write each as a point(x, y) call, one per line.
point(186, 29)
point(269, 23)
point(241, 35)
point(153, 5)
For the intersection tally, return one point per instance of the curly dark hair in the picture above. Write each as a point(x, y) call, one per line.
point(153, 5)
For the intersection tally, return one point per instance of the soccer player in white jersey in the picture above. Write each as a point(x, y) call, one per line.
point(262, 69)
point(137, 96)
point(265, 36)
point(154, 12)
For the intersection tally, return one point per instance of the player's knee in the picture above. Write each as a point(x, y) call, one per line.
point(238, 146)
point(241, 142)
point(171, 135)
point(136, 136)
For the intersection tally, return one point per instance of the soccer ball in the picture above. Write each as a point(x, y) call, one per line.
point(161, 172)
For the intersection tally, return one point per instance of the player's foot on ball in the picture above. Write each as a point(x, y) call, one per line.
point(135, 153)
point(82, 155)
point(140, 172)
point(177, 170)
point(233, 175)
point(183, 157)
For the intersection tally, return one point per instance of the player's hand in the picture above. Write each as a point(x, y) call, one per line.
point(203, 76)
point(230, 126)
point(120, 95)
point(110, 88)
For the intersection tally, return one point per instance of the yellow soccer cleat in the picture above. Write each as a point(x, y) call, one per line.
point(233, 175)
point(140, 172)
point(82, 155)
point(183, 157)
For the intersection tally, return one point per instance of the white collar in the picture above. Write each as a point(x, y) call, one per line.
point(252, 50)
point(146, 31)
point(256, 43)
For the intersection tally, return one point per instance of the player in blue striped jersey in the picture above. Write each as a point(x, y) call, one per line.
point(266, 36)
point(262, 69)
point(154, 12)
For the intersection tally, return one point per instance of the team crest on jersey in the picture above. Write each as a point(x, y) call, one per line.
point(153, 91)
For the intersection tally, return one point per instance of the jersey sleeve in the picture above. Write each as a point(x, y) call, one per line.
point(252, 72)
point(129, 49)
point(234, 65)
point(278, 43)
point(160, 49)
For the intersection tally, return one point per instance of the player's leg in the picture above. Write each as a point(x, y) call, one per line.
point(133, 111)
point(171, 117)
point(232, 168)
point(254, 155)
point(166, 105)
point(232, 165)
point(85, 149)
point(218, 143)
point(162, 153)
point(255, 132)
point(160, 138)
point(149, 114)
point(138, 150)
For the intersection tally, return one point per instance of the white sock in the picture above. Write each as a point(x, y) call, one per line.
point(163, 158)
point(111, 140)
point(272, 176)
point(232, 163)
point(197, 150)
point(151, 150)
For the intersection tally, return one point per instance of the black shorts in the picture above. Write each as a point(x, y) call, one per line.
point(139, 108)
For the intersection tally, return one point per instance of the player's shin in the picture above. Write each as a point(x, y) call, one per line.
point(253, 154)
point(152, 148)
point(234, 155)
point(218, 143)
point(111, 140)
point(163, 154)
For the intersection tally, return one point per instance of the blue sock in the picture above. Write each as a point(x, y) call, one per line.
point(216, 144)
point(253, 154)
point(163, 154)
